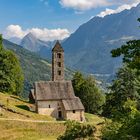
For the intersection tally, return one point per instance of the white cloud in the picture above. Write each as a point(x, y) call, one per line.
point(122, 39)
point(118, 10)
point(14, 31)
point(43, 34)
point(83, 4)
point(125, 1)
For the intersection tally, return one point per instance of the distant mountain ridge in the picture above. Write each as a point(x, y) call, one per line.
point(88, 48)
point(33, 44)
point(15, 40)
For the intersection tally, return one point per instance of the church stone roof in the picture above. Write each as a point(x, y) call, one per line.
point(58, 90)
point(58, 47)
point(54, 90)
point(73, 104)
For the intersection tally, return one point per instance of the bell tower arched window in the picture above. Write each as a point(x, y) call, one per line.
point(59, 64)
point(59, 55)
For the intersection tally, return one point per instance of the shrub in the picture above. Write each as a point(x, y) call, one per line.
point(75, 130)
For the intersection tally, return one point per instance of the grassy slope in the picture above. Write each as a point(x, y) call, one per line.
point(97, 121)
point(14, 130)
point(16, 108)
point(12, 107)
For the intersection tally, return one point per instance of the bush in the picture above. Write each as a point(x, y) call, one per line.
point(127, 127)
point(75, 130)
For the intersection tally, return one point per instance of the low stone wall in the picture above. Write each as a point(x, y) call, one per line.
point(76, 115)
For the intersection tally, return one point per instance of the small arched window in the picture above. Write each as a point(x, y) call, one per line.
point(59, 55)
point(49, 106)
point(59, 64)
point(59, 72)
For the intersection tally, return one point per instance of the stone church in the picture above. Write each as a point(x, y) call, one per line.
point(56, 98)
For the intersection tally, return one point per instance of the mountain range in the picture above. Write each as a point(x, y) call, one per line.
point(88, 48)
point(31, 43)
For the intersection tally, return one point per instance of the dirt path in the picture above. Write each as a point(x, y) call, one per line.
point(25, 120)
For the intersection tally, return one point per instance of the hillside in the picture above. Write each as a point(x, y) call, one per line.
point(34, 67)
point(88, 48)
point(13, 107)
point(18, 123)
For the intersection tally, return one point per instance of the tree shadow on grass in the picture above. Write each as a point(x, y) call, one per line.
point(18, 98)
point(24, 107)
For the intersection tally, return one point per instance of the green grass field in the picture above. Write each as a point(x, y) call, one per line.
point(15, 130)
point(18, 108)
point(15, 108)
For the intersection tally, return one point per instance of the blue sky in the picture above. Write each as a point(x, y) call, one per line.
point(49, 16)
point(35, 13)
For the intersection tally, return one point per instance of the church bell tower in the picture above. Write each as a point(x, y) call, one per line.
point(57, 62)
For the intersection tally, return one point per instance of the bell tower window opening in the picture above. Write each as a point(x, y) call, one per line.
point(59, 64)
point(59, 55)
point(59, 72)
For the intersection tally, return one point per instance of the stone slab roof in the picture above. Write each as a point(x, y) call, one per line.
point(58, 47)
point(73, 104)
point(54, 90)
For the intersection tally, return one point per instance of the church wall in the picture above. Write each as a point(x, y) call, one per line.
point(77, 116)
point(50, 108)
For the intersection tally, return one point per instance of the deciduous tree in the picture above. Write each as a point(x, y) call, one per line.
point(86, 89)
point(11, 76)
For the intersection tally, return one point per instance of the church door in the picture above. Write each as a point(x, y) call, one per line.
point(60, 114)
